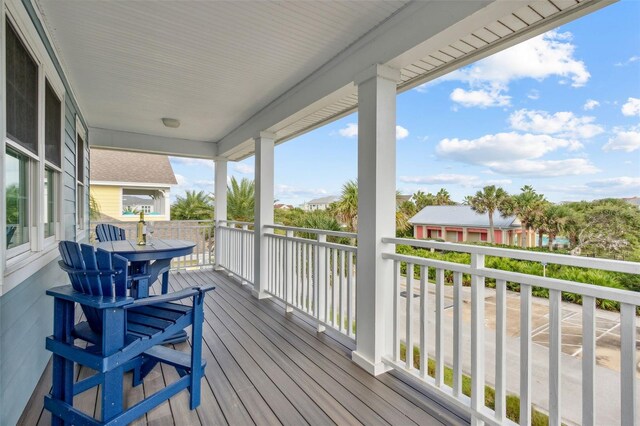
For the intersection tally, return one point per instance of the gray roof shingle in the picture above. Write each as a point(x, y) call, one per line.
point(135, 167)
point(460, 216)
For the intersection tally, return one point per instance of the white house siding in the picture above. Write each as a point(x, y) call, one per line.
point(26, 312)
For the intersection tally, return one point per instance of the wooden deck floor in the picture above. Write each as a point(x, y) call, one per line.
point(266, 367)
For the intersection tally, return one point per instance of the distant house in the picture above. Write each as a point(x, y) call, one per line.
point(462, 224)
point(126, 183)
point(320, 203)
point(281, 206)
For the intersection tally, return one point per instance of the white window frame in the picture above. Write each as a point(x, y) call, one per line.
point(81, 205)
point(20, 262)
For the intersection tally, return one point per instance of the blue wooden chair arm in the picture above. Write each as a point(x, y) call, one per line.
point(66, 292)
point(170, 297)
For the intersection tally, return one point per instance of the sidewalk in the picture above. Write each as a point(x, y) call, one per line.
point(607, 350)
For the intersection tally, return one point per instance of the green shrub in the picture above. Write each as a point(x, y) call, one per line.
point(512, 401)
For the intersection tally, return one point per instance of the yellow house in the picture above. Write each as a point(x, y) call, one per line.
point(127, 183)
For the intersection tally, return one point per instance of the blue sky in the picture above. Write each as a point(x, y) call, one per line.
point(560, 112)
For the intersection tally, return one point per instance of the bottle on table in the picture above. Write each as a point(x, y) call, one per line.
point(141, 231)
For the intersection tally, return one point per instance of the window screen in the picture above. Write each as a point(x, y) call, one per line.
point(52, 126)
point(80, 159)
point(22, 93)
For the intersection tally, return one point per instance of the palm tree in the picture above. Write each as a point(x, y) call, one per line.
point(443, 198)
point(526, 206)
point(488, 200)
point(346, 208)
point(423, 200)
point(193, 206)
point(555, 219)
point(241, 200)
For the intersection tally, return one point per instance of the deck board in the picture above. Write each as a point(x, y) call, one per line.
point(266, 367)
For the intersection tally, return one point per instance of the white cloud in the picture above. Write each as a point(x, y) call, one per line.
point(547, 55)
point(185, 185)
point(351, 131)
point(631, 107)
point(439, 179)
point(294, 192)
point(501, 147)
point(628, 61)
point(591, 104)
point(516, 154)
point(563, 124)
point(624, 140)
point(401, 133)
point(245, 169)
point(545, 168)
point(480, 98)
point(616, 184)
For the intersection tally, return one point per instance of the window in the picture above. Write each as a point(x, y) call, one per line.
point(21, 93)
point(31, 145)
point(17, 202)
point(50, 205)
point(148, 201)
point(52, 127)
point(80, 193)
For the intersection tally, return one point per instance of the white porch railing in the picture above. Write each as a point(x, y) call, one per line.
point(235, 248)
point(313, 275)
point(201, 232)
point(475, 406)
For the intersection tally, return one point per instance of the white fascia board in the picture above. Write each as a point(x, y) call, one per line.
point(129, 141)
point(408, 28)
point(131, 184)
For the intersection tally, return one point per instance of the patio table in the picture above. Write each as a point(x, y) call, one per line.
point(151, 259)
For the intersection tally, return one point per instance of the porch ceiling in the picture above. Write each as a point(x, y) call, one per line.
point(210, 64)
point(229, 70)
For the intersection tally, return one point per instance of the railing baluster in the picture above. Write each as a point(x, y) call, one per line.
point(409, 317)
point(439, 325)
point(349, 294)
point(457, 334)
point(321, 283)
point(334, 280)
point(477, 336)
point(341, 295)
point(525, 354)
point(424, 322)
point(555, 351)
point(628, 363)
point(588, 360)
point(501, 352)
point(396, 311)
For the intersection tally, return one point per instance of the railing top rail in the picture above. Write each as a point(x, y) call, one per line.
point(235, 222)
point(125, 222)
point(549, 258)
point(584, 289)
point(238, 230)
point(341, 234)
point(344, 247)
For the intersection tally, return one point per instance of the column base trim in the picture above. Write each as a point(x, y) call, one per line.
point(368, 366)
point(260, 294)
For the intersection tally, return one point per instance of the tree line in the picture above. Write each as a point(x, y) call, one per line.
point(603, 228)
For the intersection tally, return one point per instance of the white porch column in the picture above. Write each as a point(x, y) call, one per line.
point(263, 210)
point(376, 215)
point(220, 210)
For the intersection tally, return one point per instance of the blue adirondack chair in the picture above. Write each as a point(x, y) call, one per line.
point(11, 229)
point(107, 232)
point(122, 334)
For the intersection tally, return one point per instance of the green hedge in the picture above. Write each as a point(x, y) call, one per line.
point(513, 402)
point(569, 273)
